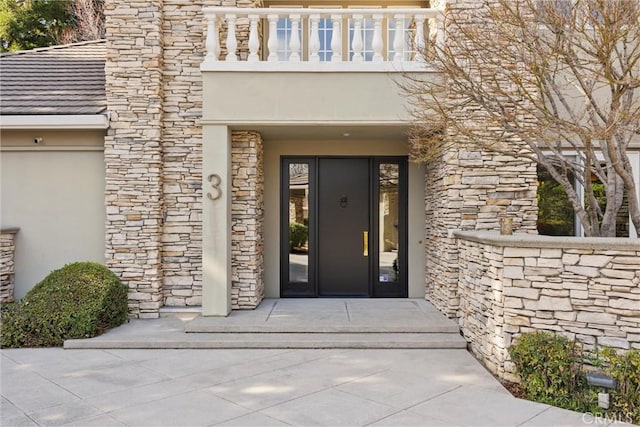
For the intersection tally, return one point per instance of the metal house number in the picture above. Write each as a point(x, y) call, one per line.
point(215, 181)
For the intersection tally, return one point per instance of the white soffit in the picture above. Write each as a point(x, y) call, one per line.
point(72, 121)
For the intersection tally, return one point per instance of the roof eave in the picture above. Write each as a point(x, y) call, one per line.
point(53, 121)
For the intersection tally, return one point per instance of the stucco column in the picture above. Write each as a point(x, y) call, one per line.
point(216, 221)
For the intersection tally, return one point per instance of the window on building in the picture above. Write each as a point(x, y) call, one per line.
point(556, 216)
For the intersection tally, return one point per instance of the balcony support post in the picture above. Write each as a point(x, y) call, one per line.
point(294, 43)
point(398, 39)
point(336, 38)
point(254, 43)
point(419, 42)
point(212, 44)
point(357, 44)
point(232, 41)
point(272, 43)
point(376, 43)
point(314, 38)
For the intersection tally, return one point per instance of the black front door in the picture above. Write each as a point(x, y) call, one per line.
point(343, 227)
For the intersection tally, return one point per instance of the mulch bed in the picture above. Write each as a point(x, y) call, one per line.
point(514, 389)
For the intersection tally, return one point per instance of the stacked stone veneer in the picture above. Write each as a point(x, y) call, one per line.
point(468, 188)
point(586, 289)
point(7, 264)
point(133, 150)
point(471, 190)
point(153, 150)
point(247, 217)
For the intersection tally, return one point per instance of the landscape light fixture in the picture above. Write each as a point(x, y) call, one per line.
point(604, 381)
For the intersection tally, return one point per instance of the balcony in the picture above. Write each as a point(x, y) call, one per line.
point(320, 39)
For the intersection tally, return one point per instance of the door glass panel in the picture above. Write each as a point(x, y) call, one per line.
point(389, 174)
point(299, 222)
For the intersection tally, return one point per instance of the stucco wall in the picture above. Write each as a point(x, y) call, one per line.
point(249, 98)
point(587, 289)
point(53, 192)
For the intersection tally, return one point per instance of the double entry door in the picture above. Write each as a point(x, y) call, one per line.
point(343, 227)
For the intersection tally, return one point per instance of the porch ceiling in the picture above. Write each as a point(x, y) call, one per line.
point(351, 132)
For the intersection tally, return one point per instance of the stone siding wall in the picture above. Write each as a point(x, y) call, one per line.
point(153, 150)
point(182, 152)
point(586, 289)
point(133, 150)
point(7, 264)
point(183, 45)
point(470, 189)
point(247, 216)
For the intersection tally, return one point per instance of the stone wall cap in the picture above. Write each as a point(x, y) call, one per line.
point(554, 242)
point(9, 230)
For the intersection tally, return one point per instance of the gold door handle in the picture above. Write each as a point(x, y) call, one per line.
point(365, 243)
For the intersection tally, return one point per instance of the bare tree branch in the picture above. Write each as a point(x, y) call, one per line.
point(553, 79)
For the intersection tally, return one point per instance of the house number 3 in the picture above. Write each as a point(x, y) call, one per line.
point(215, 181)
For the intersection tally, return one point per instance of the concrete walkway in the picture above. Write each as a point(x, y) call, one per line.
point(119, 384)
point(262, 388)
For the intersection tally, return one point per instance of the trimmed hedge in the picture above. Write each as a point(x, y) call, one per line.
point(80, 300)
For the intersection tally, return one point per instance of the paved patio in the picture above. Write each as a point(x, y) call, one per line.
point(262, 388)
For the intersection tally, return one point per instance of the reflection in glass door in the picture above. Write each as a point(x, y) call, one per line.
point(389, 175)
point(390, 200)
point(297, 209)
point(299, 222)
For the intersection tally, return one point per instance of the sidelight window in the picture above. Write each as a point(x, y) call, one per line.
point(388, 210)
point(298, 222)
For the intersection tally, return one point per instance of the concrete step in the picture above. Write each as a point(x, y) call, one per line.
point(203, 325)
point(185, 313)
point(278, 341)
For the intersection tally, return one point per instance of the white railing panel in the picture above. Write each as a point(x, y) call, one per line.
point(412, 28)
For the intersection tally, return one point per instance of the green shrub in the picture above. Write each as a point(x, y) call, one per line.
point(551, 371)
point(298, 234)
point(550, 368)
point(80, 300)
point(625, 368)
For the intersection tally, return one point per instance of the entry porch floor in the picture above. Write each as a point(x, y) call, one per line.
point(294, 323)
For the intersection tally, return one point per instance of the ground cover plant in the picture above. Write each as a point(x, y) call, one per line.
point(79, 300)
point(552, 370)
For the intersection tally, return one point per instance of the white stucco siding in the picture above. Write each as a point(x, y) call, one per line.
point(234, 98)
point(54, 192)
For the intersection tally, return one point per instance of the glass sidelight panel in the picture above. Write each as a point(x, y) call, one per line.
point(389, 213)
point(298, 205)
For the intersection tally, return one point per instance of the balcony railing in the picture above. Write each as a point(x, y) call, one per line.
point(319, 39)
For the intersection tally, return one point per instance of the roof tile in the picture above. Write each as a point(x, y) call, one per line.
point(67, 79)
